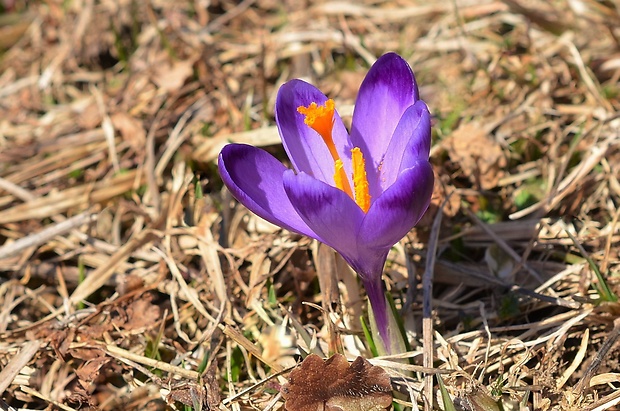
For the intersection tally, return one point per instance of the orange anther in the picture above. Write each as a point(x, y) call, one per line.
point(360, 179)
point(321, 120)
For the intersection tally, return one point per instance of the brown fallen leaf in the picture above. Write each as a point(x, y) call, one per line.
point(205, 396)
point(88, 373)
point(171, 77)
point(333, 385)
point(130, 128)
point(142, 314)
point(138, 314)
point(480, 156)
point(442, 191)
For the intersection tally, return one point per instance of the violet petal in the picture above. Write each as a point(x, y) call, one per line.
point(254, 177)
point(304, 146)
point(399, 208)
point(387, 91)
point(411, 142)
point(328, 211)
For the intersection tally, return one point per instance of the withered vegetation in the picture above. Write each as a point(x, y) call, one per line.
point(131, 280)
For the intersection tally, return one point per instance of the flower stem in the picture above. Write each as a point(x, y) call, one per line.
point(378, 305)
point(383, 320)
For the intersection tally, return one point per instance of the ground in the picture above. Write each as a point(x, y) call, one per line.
point(130, 279)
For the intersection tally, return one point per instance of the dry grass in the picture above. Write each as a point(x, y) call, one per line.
point(129, 277)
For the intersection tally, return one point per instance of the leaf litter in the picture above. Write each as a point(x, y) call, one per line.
point(129, 279)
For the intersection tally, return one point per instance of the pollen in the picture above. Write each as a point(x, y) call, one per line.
point(340, 178)
point(360, 179)
point(320, 118)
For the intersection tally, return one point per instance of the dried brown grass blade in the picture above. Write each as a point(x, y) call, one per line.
point(19, 361)
point(102, 274)
point(80, 197)
point(36, 239)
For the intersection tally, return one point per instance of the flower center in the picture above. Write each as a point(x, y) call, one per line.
point(321, 120)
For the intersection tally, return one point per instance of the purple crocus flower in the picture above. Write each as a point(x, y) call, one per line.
point(358, 192)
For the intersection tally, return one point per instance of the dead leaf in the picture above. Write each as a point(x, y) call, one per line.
point(89, 116)
point(171, 77)
point(478, 400)
point(333, 385)
point(88, 373)
point(442, 191)
point(61, 340)
point(480, 156)
point(86, 353)
point(141, 313)
point(128, 283)
point(205, 396)
point(130, 128)
point(78, 395)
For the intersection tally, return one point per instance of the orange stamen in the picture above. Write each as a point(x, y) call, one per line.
point(321, 120)
point(340, 178)
point(360, 179)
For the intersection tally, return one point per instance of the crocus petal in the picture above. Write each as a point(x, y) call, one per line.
point(386, 92)
point(254, 177)
point(304, 146)
point(399, 208)
point(411, 142)
point(328, 211)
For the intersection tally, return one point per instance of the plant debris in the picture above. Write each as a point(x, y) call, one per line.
point(131, 280)
point(333, 385)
